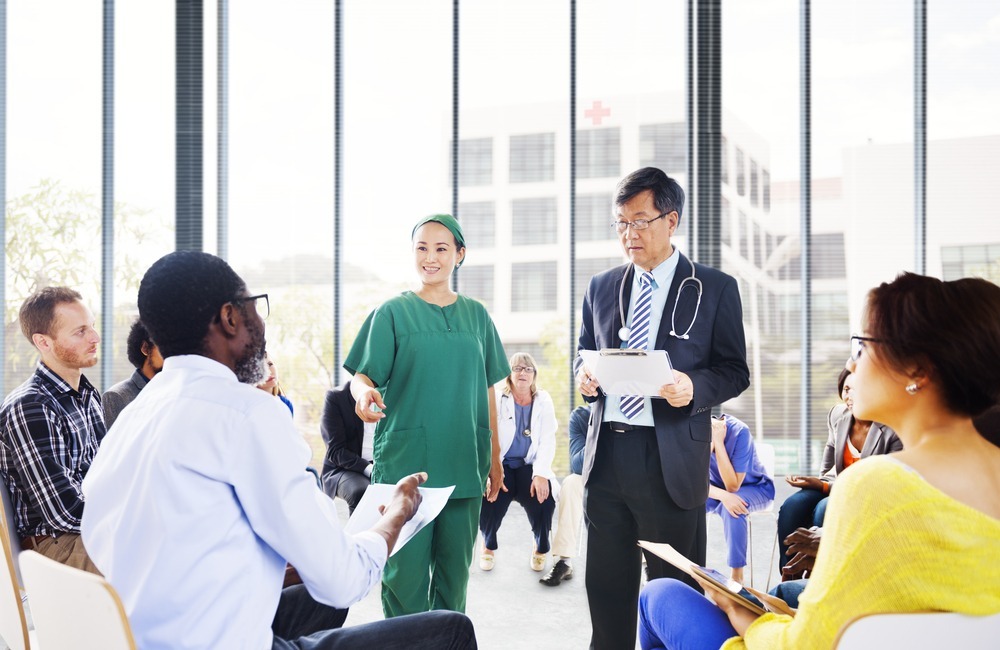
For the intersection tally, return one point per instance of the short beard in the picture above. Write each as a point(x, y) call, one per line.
point(251, 368)
point(73, 359)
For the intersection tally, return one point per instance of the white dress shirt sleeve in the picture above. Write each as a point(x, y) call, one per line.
point(296, 519)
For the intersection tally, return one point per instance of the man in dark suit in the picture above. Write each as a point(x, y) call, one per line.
point(347, 469)
point(646, 467)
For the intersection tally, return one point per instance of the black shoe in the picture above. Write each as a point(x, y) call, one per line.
point(560, 571)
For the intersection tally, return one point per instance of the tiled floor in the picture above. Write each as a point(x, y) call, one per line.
point(510, 598)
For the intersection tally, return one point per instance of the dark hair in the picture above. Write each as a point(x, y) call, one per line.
point(952, 329)
point(841, 380)
point(667, 194)
point(38, 312)
point(181, 294)
point(137, 335)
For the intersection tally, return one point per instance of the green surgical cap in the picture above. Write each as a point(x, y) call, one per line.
point(446, 220)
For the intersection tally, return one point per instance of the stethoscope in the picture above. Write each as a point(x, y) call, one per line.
point(624, 333)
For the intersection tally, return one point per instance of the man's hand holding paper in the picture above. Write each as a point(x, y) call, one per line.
point(680, 393)
point(630, 372)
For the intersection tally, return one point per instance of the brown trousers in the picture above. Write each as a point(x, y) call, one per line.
point(67, 549)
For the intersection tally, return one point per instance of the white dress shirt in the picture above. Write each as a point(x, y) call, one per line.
point(196, 501)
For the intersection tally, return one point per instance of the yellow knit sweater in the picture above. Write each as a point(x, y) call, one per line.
point(891, 543)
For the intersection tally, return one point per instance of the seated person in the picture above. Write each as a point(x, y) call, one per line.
point(738, 485)
point(145, 357)
point(570, 503)
point(198, 500)
point(51, 426)
point(803, 545)
point(913, 531)
point(527, 426)
point(271, 386)
point(849, 440)
point(347, 467)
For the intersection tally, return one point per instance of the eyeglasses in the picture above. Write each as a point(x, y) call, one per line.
point(638, 224)
point(858, 344)
point(260, 303)
point(520, 369)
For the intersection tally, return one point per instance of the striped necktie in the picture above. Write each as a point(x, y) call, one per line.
point(631, 405)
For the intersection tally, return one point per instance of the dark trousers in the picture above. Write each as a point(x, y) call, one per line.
point(803, 509)
point(300, 620)
point(351, 487)
point(626, 501)
point(518, 484)
point(298, 614)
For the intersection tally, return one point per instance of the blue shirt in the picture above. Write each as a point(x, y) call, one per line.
point(742, 454)
point(521, 443)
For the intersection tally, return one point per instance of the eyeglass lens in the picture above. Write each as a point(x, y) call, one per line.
point(527, 369)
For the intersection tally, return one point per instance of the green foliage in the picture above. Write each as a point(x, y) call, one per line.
point(553, 376)
point(54, 238)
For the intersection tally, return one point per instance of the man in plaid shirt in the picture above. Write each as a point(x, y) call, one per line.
point(51, 425)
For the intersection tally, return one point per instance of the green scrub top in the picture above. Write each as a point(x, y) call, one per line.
point(433, 366)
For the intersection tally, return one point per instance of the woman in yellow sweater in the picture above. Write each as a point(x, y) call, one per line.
point(915, 531)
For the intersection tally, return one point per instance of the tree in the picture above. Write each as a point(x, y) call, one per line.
point(54, 238)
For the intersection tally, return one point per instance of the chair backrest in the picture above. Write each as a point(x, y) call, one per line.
point(8, 518)
point(920, 630)
point(13, 625)
point(766, 454)
point(73, 608)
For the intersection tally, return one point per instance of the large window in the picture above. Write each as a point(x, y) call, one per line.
point(477, 282)
point(594, 217)
point(475, 165)
point(532, 157)
point(479, 223)
point(973, 260)
point(533, 287)
point(598, 153)
point(533, 221)
point(515, 149)
point(664, 146)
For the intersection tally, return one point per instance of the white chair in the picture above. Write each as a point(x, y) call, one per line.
point(73, 608)
point(13, 623)
point(766, 454)
point(919, 631)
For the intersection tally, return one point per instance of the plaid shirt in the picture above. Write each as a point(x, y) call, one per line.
point(49, 434)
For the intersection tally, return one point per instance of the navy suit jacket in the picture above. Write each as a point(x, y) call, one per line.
point(714, 357)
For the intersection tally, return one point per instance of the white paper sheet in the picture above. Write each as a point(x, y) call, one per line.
point(629, 374)
point(366, 514)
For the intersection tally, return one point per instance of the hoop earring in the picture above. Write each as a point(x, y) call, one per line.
point(912, 388)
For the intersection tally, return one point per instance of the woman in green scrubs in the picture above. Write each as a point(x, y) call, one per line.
point(428, 359)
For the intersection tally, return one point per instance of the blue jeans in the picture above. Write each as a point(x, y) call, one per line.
point(789, 591)
point(803, 509)
point(298, 625)
point(673, 616)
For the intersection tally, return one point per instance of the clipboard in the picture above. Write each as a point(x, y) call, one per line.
point(630, 372)
point(725, 586)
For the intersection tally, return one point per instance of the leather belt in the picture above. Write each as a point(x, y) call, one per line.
point(28, 543)
point(621, 427)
